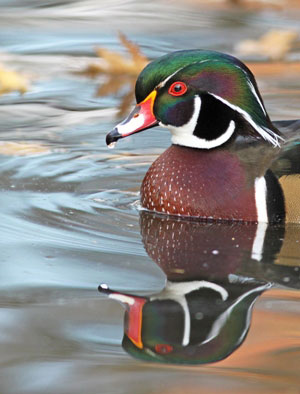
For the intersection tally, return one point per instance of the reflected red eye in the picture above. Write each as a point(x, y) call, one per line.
point(163, 348)
point(177, 88)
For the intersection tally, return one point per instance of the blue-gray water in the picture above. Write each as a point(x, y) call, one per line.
point(69, 218)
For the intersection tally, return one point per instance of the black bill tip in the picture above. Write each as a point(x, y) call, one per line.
point(113, 136)
point(103, 288)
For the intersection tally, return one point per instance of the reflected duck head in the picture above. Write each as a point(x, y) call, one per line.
point(192, 322)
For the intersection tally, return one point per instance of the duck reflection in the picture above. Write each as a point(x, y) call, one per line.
point(215, 272)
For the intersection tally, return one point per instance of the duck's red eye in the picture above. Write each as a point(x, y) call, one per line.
point(177, 88)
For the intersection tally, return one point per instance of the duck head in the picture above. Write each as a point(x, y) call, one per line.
point(204, 98)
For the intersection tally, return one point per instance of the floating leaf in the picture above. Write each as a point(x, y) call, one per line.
point(139, 60)
point(115, 63)
point(22, 149)
point(11, 81)
point(247, 4)
point(121, 71)
point(274, 45)
point(275, 68)
point(113, 85)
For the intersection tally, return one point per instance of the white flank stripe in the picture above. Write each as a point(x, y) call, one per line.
point(261, 199)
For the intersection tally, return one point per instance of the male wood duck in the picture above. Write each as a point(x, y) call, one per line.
point(227, 160)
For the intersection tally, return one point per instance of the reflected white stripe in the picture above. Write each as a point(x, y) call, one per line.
point(122, 298)
point(258, 244)
point(178, 291)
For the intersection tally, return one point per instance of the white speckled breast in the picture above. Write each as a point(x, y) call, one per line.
point(193, 182)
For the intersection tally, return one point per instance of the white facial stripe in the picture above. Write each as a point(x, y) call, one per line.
point(161, 84)
point(133, 124)
point(261, 199)
point(267, 134)
point(253, 89)
point(256, 96)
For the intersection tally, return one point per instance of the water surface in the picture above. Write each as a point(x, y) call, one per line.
point(69, 217)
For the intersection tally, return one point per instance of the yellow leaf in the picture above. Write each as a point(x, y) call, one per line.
point(11, 81)
point(275, 44)
point(275, 68)
point(115, 63)
point(22, 148)
point(134, 50)
point(120, 71)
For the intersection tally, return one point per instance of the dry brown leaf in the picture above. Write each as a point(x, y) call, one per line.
point(120, 71)
point(115, 63)
point(11, 81)
point(275, 44)
point(125, 103)
point(22, 148)
point(275, 68)
point(138, 58)
point(244, 4)
point(113, 85)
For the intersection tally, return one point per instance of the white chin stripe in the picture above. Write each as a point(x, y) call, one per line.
point(196, 142)
point(184, 136)
point(181, 135)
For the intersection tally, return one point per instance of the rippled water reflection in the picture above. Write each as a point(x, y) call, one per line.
point(68, 212)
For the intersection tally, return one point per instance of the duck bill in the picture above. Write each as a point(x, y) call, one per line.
point(134, 312)
point(141, 118)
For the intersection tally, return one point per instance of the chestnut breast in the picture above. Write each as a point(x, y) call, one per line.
point(210, 184)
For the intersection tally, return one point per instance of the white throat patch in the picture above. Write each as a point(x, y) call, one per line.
point(184, 136)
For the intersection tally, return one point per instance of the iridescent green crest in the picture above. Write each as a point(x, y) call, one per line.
point(218, 74)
